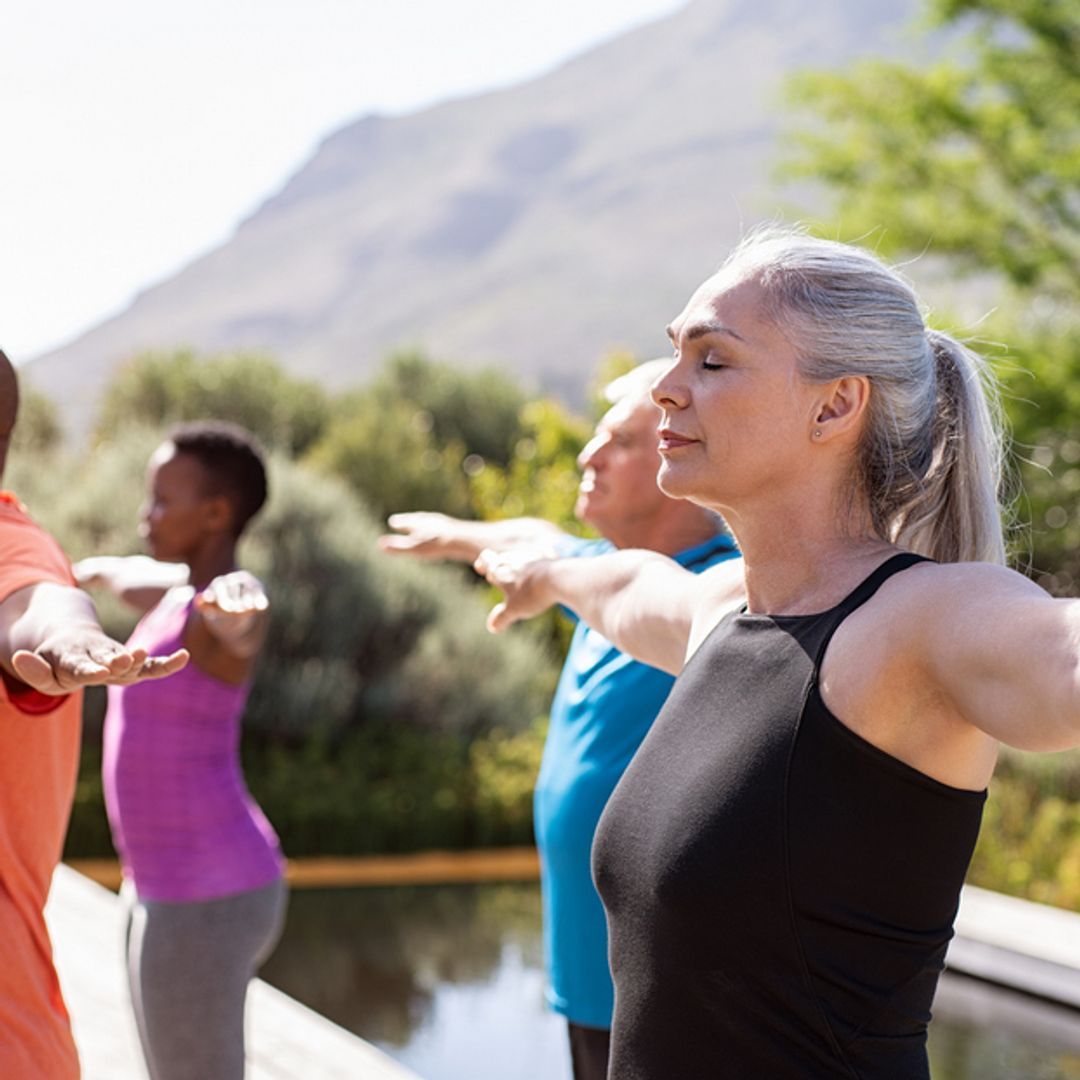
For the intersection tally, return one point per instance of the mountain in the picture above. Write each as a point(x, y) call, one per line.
point(535, 227)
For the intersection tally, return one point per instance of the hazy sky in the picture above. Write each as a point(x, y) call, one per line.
point(137, 134)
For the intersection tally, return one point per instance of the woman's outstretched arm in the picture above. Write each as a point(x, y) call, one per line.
point(646, 604)
point(1004, 652)
point(138, 580)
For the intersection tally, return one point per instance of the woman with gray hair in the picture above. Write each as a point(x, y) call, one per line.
point(782, 861)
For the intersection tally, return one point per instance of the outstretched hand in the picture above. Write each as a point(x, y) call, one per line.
point(425, 534)
point(87, 656)
point(522, 576)
point(234, 608)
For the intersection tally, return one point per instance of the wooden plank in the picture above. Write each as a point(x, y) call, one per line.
point(415, 868)
point(286, 1040)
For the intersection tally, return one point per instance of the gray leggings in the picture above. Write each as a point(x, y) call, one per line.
point(189, 965)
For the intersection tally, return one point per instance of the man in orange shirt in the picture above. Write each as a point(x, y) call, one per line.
point(51, 645)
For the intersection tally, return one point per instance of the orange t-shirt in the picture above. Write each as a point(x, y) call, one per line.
point(39, 757)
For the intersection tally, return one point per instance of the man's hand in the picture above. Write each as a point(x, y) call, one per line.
point(234, 608)
point(522, 576)
point(428, 535)
point(50, 639)
point(86, 656)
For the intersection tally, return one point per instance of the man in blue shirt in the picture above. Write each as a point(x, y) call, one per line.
point(605, 701)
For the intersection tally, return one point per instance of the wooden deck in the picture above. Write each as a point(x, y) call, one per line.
point(286, 1040)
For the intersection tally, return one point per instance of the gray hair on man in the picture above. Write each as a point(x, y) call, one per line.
point(637, 382)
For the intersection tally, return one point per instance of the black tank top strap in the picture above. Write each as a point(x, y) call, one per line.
point(831, 620)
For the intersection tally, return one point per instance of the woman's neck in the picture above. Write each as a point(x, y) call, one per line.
point(803, 561)
point(215, 560)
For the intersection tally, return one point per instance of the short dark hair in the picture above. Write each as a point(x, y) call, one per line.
point(233, 461)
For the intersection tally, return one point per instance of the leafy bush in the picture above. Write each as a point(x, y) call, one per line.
point(411, 439)
point(157, 389)
point(375, 791)
point(1029, 845)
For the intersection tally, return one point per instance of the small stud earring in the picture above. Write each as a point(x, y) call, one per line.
point(817, 433)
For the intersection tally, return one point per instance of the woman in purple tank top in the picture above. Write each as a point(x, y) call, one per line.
point(202, 866)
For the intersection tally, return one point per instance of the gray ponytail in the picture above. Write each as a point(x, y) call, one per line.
point(930, 461)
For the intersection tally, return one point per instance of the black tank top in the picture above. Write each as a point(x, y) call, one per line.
point(779, 892)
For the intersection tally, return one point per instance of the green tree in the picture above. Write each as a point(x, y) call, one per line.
point(413, 437)
point(477, 409)
point(976, 157)
point(385, 450)
point(161, 388)
point(541, 477)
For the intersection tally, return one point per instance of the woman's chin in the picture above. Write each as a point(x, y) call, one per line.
point(674, 482)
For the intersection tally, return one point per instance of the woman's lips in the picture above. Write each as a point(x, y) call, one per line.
point(672, 440)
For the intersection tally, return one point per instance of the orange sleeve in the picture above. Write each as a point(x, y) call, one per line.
point(28, 554)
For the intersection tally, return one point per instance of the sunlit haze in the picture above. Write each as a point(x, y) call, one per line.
point(137, 135)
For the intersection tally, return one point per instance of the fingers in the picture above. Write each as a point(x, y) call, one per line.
point(158, 667)
point(396, 544)
point(86, 571)
point(419, 532)
point(238, 593)
point(484, 563)
point(71, 671)
point(500, 618)
point(35, 672)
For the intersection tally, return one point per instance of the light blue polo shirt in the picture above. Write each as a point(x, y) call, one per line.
point(603, 707)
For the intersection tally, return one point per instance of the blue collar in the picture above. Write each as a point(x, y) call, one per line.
point(716, 545)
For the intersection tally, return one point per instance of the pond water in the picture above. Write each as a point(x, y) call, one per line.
point(448, 980)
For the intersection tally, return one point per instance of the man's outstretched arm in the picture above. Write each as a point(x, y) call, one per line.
point(51, 640)
point(427, 535)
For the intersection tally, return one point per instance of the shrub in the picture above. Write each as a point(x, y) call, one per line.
point(157, 389)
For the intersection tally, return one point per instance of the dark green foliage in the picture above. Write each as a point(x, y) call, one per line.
point(160, 388)
point(387, 453)
point(359, 638)
point(477, 409)
point(400, 790)
point(413, 437)
point(374, 791)
point(541, 477)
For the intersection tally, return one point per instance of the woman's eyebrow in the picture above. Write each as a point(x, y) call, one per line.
point(701, 329)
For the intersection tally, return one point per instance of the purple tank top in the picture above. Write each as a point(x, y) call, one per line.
point(182, 819)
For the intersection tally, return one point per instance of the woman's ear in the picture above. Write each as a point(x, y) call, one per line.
point(841, 409)
point(219, 513)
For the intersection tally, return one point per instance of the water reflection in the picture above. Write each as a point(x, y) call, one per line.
point(374, 959)
point(447, 979)
point(985, 1031)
